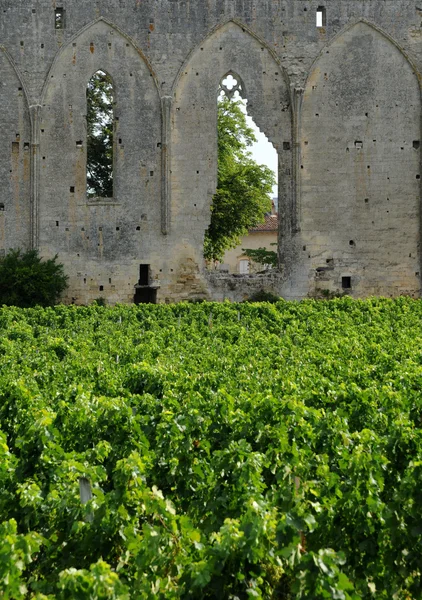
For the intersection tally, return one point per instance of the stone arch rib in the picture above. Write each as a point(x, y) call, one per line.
point(245, 29)
point(32, 111)
point(83, 31)
point(18, 74)
point(375, 27)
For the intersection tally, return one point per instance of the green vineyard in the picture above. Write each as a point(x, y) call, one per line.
point(215, 451)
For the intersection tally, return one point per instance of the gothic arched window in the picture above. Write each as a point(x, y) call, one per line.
point(100, 136)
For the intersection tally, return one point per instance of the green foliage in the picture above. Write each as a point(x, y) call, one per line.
point(99, 583)
point(262, 256)
point(244, 188)
point(16, 552)
point(263, 296)
point(101, 301)
point(100, 136)
point(27, 280)
point(232, 451)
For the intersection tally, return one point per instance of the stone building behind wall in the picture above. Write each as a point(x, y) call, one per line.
point(262, 236)
point(340, 102)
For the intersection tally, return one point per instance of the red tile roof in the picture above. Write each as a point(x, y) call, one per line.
point(270, 224)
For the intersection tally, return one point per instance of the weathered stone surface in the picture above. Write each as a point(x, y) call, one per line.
point(340, 103)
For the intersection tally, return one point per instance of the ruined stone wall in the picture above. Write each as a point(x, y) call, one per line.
point(341, 104)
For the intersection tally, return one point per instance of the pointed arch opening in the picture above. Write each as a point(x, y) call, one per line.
point(100, 121)
point(247, 186)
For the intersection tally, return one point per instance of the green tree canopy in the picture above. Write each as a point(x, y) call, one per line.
point(244, 188)
point(100, 124)
point(27, 280)
point(262, 256)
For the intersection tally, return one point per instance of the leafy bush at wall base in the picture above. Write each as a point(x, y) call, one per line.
point(264, 296)
point(26, 280)
point(212, 451)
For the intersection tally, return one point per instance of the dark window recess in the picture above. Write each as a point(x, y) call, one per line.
point(144, 275)
point(145, 293)
point(72, 189)
point(286, 145)
point(59, 18)
point(101, 288)
point(2, 206)
point(321, 17)
point(416, 144)
point(346, 283)
point(146, 296)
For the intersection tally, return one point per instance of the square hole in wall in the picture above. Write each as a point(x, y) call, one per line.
point(346, 283)
point(59, 15)
point(321, 17)
point(143, 274)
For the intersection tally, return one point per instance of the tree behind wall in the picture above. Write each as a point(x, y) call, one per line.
point(262, 256)
point(100, 125)
point(244, 188)
point(26, 280)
